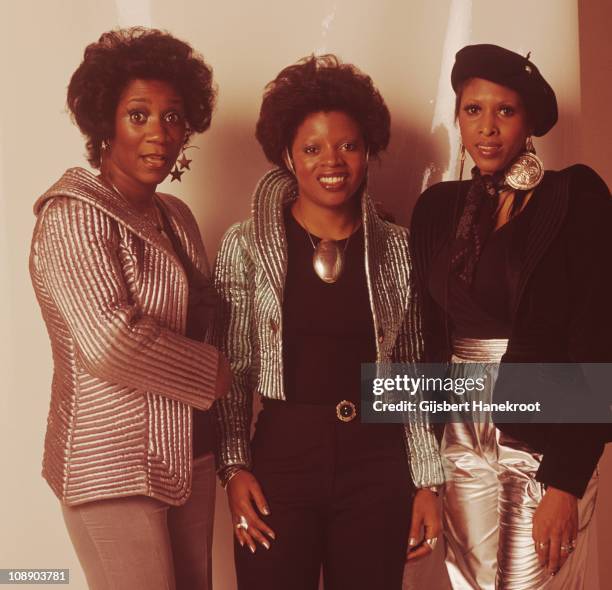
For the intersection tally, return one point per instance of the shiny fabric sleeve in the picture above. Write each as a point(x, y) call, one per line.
point(76, 254)
point(421, 442)
point(573, 450)
point(232, 334)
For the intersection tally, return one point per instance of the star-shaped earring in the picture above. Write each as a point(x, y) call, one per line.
point(184, 162)
point(176, 174)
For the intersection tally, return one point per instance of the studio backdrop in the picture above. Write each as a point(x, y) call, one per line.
point(406, 46)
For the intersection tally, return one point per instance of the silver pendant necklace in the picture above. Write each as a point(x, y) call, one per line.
point(328, 257)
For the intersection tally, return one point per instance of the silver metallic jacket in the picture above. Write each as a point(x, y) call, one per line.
point(249, 276)
point(114, 298)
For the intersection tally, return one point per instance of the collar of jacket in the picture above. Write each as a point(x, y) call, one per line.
point(276, 188)
point(79, 183)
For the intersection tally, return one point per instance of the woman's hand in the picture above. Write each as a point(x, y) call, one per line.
point(425, 517)
point(244, 494)
point(555, 527)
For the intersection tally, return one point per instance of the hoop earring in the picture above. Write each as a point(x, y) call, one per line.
point(462, 162)
point(289, 161)
point(182, 164)
point(527, 171)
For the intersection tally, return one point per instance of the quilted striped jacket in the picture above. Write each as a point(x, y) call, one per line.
point(114, 296)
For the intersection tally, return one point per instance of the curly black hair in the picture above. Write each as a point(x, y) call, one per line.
point(314, 84)
point(126, 54)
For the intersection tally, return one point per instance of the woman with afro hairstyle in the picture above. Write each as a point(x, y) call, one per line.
point(313, 284)
point(121, 277)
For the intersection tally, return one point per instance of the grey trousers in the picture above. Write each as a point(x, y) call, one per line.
point(139, 543)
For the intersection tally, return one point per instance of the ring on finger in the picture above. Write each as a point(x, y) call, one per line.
point(539, 545)
point(243, 524)
point(431, 542)
point(569, 546)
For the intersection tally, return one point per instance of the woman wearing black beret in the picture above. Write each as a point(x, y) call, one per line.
point(510, 267)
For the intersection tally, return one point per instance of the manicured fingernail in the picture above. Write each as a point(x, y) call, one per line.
point(241, 543)
point(412, 542)
point(266, 544)
point(266, 510)
point(252, 548)
point(271, 535)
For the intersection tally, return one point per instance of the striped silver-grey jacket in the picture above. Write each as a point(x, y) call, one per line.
point(249, 275)
point(113, 295)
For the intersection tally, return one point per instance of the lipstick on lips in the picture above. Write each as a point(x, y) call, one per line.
point(334, 181)
point(154, 161)
point(489, 149)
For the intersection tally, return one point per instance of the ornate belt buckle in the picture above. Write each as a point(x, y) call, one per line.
point(346, 411)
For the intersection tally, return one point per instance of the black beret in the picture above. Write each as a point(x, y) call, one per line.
point(510, 69)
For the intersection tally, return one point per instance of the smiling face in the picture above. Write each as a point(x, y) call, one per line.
point(150, 130)
point(329, 156)
point(493, 124)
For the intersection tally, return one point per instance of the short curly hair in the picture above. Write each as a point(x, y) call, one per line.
point(136, 53)
point(314, 84)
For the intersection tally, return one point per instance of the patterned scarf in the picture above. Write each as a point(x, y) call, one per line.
point(476, 224)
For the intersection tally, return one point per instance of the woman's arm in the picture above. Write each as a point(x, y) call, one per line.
point(421, 442)
point(75, 256)
point(233, 333)
point(574, 449)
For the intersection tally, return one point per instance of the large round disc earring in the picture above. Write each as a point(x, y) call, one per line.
point(527, 170)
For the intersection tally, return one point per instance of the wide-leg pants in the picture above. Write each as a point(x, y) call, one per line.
point(140, 543)
point(340, 497)
point(490, 498)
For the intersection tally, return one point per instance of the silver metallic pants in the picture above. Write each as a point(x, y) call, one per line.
point(490, 498)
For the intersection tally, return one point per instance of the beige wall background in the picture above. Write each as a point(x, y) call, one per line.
point(407, 46)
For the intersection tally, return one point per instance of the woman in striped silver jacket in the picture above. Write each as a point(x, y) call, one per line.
point(120, 275)
point(311, 286)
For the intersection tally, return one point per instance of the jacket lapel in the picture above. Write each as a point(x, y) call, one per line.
point(275, 188)
point(387, 272)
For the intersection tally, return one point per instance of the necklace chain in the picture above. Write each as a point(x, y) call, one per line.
point(314, 246)
point(157, 221)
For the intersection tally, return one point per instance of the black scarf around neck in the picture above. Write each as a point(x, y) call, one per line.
point(475, 224)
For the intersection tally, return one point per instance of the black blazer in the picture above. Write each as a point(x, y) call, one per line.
point(563, 307)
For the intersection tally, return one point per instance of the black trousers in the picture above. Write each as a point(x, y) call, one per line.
point(340, 497)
